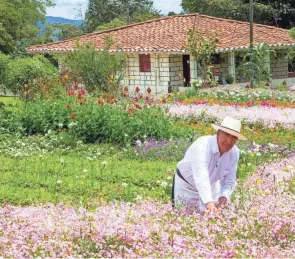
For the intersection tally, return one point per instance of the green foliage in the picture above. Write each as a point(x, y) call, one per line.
point(21, 72)
point(255, 68)
point(236, 10)
point(292, 32)
point(111, 25)
point(102, 12)
point(90, 122)
point(18, 22)
point(4, 60)
point(202, 49)
point(229, 79)
point(99, 70)
point(68, 31)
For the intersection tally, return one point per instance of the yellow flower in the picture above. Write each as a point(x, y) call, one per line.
point(259, 181)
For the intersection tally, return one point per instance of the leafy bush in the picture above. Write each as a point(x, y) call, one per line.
point(4, 60)
point(98, 70)
point(91, 122)
point(22, 72)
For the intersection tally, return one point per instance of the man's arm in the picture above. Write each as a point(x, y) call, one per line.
point(199, 158)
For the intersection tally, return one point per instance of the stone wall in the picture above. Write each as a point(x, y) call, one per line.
point(279, 65)
point(166, 72)
point(175, 72)
point(222, 68)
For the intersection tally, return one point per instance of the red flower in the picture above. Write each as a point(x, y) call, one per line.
point(136, 98)
point(137, 106)
point(81, 102)
point(80, 95)
point(68, 106)
point(76, 86)
point(125, 94)
point(247, 86)
point(137, 89)
point(101, 102)
point(73, 116)
point(147, 98)
point(71, 93)
point(125, 89)
point(149, 90)
point(112, 97)
point(164, 100)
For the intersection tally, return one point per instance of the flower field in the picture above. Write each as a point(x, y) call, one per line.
point(90, 175)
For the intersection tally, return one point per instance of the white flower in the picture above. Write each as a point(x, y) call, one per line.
point(138, 143)
point(84, 171)
point(124, 185)
point(124, 149)
point(104, 163)
point(58, 182)
point(60, 125)
point(61, 160)
point(243, 151)
point(249, 164)
point(164, 184)
point(169, 178)
point(89, 158)
point(138, 197)
point(258, 154)
point(126, 135)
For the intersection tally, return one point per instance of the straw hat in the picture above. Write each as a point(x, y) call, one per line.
point(231, 126)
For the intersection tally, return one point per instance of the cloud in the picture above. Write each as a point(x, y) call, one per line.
point(70, 8)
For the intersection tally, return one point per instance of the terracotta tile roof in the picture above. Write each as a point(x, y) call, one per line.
point(169, 34)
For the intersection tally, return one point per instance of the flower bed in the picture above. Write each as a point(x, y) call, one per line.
point(267, 117)
point(259, 223)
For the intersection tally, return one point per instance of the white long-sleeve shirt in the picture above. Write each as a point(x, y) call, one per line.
point(202, 167)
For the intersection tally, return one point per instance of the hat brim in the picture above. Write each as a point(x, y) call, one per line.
point(231, 132)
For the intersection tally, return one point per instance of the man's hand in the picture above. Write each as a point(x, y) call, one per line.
point(211, 207)
point(221, 202)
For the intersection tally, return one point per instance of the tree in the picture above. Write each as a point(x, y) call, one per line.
point(231, 9)
point(68, 31)
point(18, 22)
point(101, 12)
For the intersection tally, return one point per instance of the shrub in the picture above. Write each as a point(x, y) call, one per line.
point(21, 72)
point(4, 60)
point(98, 70)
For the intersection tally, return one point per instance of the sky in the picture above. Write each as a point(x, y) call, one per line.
point(71, 9)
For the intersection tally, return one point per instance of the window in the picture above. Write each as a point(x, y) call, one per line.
point(144, 63)
point(215, 58)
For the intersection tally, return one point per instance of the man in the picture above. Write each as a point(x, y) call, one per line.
point(207, 173)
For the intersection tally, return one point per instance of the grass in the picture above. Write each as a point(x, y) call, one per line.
point(67, 178)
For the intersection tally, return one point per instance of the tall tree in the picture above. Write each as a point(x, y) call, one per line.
point(264, 12)
point(18, 22)
point(101, 12)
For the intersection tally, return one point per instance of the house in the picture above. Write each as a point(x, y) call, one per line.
point(156, 56)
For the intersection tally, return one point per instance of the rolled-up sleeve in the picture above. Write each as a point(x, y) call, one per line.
point(199, 158)
point(228, 182)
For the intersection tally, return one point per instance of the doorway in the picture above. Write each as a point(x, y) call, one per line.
point(186, 70)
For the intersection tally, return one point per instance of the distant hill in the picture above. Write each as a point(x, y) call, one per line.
point(57, 20)
point(60, 20)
